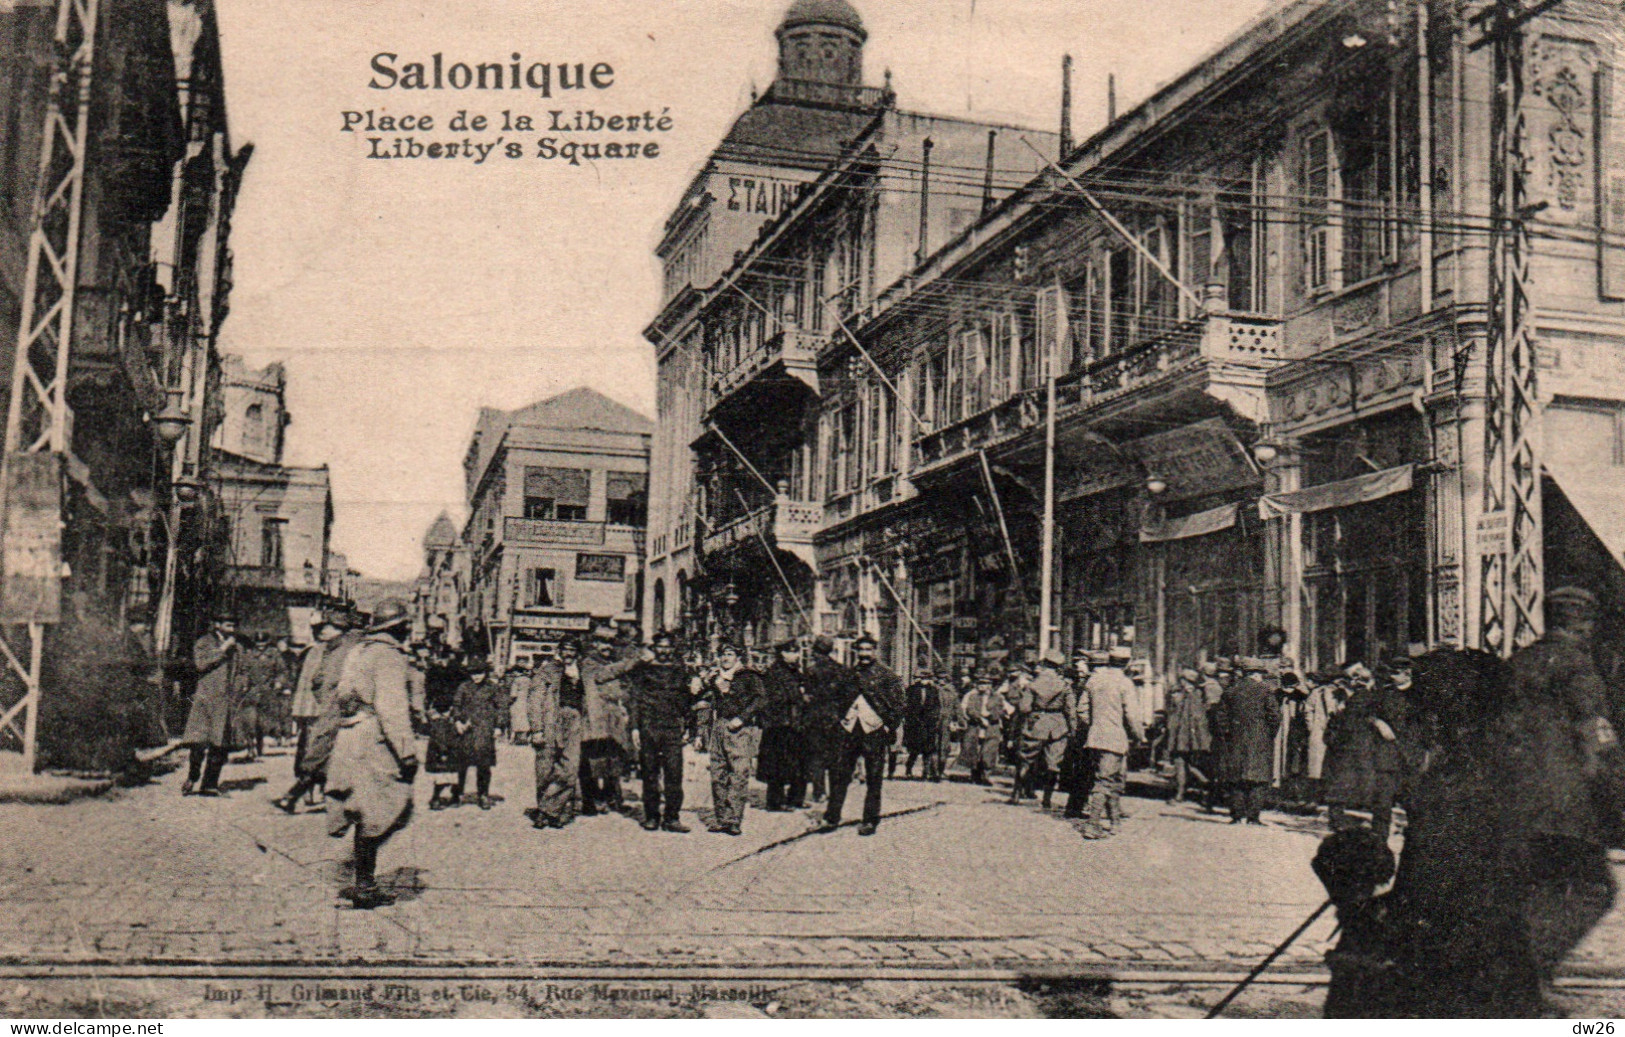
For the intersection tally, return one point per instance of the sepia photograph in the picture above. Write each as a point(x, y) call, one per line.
point(811, 509)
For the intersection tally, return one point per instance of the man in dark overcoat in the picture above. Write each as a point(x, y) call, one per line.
point(1246, 720)
point(310, 767)
point(782, 763)
point(922, 728)
point(215, 657)
point(870, 710)
point(659, 708)
point(1365, 764)
point(553, 710)
point(826, 682)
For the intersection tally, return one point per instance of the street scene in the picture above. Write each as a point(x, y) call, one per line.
point(860, 548)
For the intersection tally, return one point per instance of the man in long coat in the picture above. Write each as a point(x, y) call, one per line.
point(1364, 764)
point(1111, 723)
point(1190, 740)
point(1246, 720)
point(1567, 778)
point(374, 757)
point(339, 638)
point(983, 710)
point(208, 732)
point(1050, 707)
point(479, 706)
point(605, 734)
point(826, 683)
point(661, 703)
point(553, 712)
point(922, 728)
point(782, 763)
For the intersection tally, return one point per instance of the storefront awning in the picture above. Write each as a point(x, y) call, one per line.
point(1202, 523)
point(1359, 490)
point(1600, 500)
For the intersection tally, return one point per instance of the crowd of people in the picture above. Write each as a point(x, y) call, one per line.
point(1510, 772)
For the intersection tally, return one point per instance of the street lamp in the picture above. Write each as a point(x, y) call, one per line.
point(187, 488)
point(172, 422)
point(1156, 486)
point(1266, 451)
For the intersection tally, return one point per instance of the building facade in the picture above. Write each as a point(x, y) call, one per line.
point(1273, 303)
point(739, 490)
point(141, 227)
point(558, 505)
point(438, 595)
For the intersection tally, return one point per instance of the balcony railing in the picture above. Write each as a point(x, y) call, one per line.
point(797, 350)
point(550, 531)
point(789, 524)
point(274, 577)
point(810, 91)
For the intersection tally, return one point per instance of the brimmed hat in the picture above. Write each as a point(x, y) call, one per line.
point(1052, 657)
point(789, 644)
point(1252, 664)
point(1096, 657)
point(390, 613)
point(1119, 654)
point(1189, 675)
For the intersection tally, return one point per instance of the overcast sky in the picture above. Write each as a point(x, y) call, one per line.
point(404, 295)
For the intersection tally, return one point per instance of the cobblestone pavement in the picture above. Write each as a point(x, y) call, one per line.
point(958, 881)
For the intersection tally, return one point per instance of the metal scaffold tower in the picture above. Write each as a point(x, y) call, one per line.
point(37, 448)
point(1511, 577)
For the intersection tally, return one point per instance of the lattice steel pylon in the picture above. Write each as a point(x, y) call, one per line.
point(1511, 576)
point(37, 420)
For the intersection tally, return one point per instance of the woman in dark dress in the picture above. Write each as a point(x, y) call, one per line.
point(445, 761)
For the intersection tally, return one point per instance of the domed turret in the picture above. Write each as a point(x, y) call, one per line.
point(821, 41)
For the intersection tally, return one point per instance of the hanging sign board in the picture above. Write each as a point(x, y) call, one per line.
point(1493, 529)
point(32, 587)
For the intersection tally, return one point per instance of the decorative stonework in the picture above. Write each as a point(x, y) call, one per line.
point(1562, 76)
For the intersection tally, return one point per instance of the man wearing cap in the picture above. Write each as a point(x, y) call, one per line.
point(310, 770)
point(605, 738)
point(1565, 768)
point(374, 755)
point(983, 711)
point(737, 705)
point(781, 765)
point(870, 711)
point(659, 707)
point(922, 727)
point(826, 683)
point(553, 717)
point(308, 699)
point(1051, 709)
point(1111, 725)
point(1364, 765)
point(1246, 721)
point(215, 656)
point(1189, 737)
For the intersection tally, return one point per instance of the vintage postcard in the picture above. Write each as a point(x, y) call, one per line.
point(842, 509)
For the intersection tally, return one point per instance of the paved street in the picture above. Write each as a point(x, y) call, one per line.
point(958, 881)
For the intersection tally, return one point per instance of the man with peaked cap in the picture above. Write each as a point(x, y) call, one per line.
point(737, 699)
point(1246, 721)
point(553, 718)
point(605, 733)
point(826, 684)
point(1050, 712)
point(1190, 740)
point(1566, 775)
point(310, 770)
point(922, 727)
point(1112, 725)
point(374, 754)
point(659, 706)
point(983, 711)
point(870, 710)
point(782, 764)
point(208, 731)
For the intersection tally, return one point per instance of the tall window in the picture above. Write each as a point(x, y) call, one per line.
point(628, 496)
point(1317, 179)
point(560, 494)
point(271, 539)
point(542, 589)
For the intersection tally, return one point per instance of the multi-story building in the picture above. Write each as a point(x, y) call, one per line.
point(738, 495)
point(1273, 302)
point(557, 505)
point(438, 595)
point(141, 227)
point(278, 571)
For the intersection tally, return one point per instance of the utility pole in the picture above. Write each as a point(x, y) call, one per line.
point(1511, 564)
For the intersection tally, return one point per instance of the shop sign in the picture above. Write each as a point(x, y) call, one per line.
point(965, 623)
point(552, 622)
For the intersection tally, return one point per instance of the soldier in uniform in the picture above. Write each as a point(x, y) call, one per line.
point(1050, 710)
point(374, 758)
point(1111, 726)
point(208, 720)
point(660, 704)
point(317, 678)
point(1566, 769)
point(983, 710)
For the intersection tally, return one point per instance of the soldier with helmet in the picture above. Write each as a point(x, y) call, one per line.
point(1050, 715)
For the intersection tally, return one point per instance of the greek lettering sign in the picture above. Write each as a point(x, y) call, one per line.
point(32, 589)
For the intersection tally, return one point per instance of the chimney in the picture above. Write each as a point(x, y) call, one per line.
point(925, 205)
point(1066, 107)
point(987, 177)
point(1111, 98)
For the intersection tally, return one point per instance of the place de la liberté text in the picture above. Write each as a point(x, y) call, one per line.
point(571, 137)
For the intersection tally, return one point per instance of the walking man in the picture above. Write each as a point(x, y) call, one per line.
point(310, 770)
point(553, 715)
point(781, 765)
point(308, 699)
point(659, 708)
point(374, 755)
point(1051, 707)
point(1111, 725)
point(871, 708)
point(737, 701)
point(208, 719)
